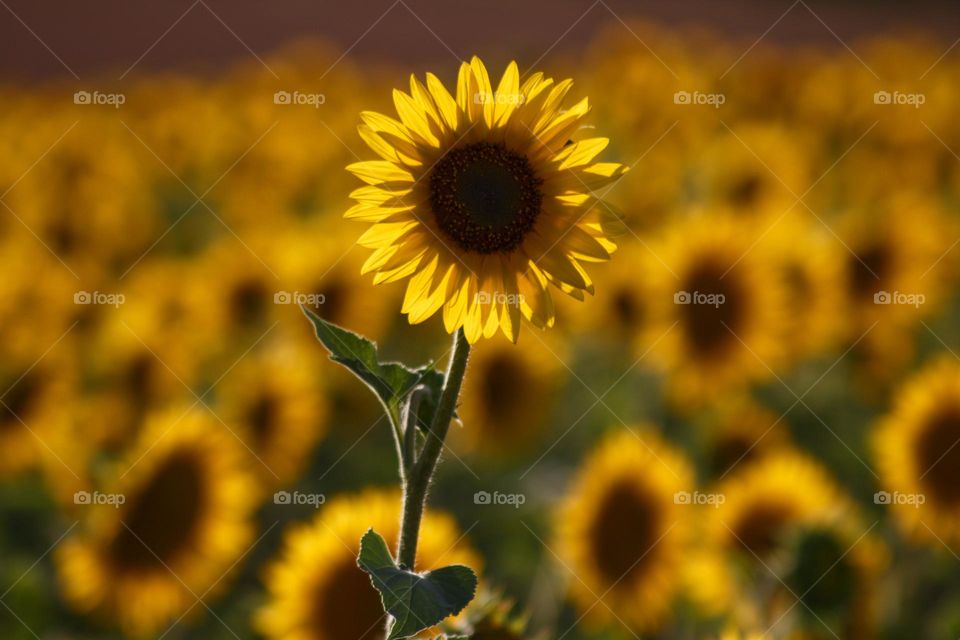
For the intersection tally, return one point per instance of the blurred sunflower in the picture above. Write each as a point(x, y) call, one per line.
point(317, 591)
point(484, 200)
point(811, 266)
point(498, 420)
point(767, 499)
point(622, 533)
point(621, 309)
point(718, 315)
point(35, 401)
point(893, 267)
point(917, 456)
point(241, 289)
point(125, 379)
point(273, 401)
point(751, 171)
point(322, 267)
point(740, 431)
point(184, 523)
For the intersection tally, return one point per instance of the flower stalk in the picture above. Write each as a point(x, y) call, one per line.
point(419, 472)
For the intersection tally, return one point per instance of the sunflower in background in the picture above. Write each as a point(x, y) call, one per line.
point(917, 457)
point(274, 401)
point(81, 192)
point(766, 499)
point(810, 262)
point(751, 170)
point(125, 378)
point(35, 402)
point(620, 312)
point(316, 591)
point(162, 306)
point(509, 396)
point(718, 309)
point(483, 200)
point(241, 284)
point(321, 264)
point(739, 431)
point(622, 531)
point(184, 523)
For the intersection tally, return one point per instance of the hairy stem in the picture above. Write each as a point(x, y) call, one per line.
point(417, 481)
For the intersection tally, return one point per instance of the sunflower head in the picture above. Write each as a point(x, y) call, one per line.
point(483, 200)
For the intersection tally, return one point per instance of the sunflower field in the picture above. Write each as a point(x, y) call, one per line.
point(710, 300)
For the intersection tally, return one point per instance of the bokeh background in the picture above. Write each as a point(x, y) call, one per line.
point(178, 458)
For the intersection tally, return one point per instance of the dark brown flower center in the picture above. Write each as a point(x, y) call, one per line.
point(938, 455)
point(347, 606)
point(503, 377)
point(485, 197)
point(762, 527)
point(869, 269)
point(624, 533)
point(713, 309)
point(162, 519)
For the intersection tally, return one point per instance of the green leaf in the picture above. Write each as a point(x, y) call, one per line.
point(417, 601)
point(392, 382)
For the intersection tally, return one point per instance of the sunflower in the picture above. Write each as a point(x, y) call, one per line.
point(317, 591)
point(740, 431)
point(508, 397)
point(810, 263)
point(918, 462)
point(483, 200)
point(623, 534)
point(273, 401)
point(125, 379)
point(764, 501)
point(242, 289)
point(718, 309)
point(184, 524)
point(621, 308)
point(765, 506)
point(321, 268)
point(894, 269)
point(35, 401)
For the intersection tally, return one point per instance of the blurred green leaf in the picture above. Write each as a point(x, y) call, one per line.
point(416, 601)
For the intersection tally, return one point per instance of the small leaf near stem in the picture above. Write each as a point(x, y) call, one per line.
point(417, 481)
point(415, 601)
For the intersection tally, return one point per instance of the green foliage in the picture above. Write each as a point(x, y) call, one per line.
point(416, 601)
point(392, 382)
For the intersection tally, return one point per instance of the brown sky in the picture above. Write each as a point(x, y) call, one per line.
point(93, 38)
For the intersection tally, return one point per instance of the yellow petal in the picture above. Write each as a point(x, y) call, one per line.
point(508, 94)
point(380, 172)
point(446, 105)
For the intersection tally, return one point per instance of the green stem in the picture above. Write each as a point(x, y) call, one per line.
point(417, 481)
